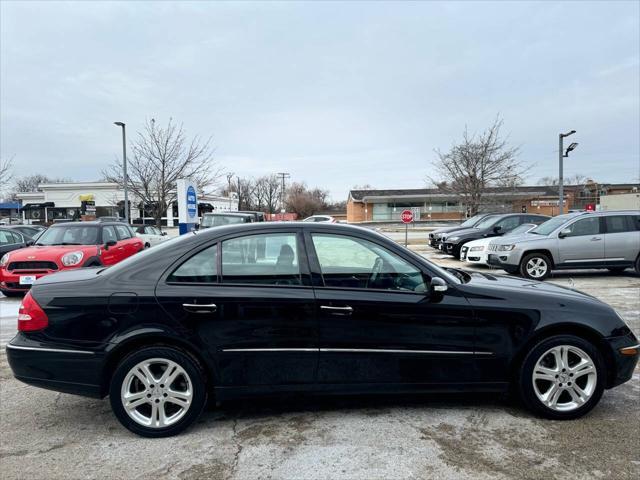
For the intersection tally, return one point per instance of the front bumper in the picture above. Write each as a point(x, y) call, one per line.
point(58, 367)
point(10, 279)
point(623, 365)
point(468, 256)
point(502, 260)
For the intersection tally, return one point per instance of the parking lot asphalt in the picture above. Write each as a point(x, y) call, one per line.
point(50, 435)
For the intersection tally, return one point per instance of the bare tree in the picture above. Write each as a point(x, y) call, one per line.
point(477, 163)
point(305, 202)
point(267, 192)
point(576, 179)
point(161, 156)
point(6, 172)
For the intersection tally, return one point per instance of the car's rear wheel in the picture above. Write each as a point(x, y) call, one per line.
point(562, 377)
point(535, 266)
point(158, 391)
point(638, 265)
point(14, 294)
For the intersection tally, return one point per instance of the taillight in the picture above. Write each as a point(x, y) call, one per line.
point(31, 317)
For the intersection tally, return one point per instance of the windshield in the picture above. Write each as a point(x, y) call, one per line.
point(524, 228)
point(550, 225)
point(470, 222)
point(217, 220)
point(69, 235)
point(487, 222)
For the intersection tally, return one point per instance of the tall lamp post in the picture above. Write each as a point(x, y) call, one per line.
point(124, 170)
point(561, 156)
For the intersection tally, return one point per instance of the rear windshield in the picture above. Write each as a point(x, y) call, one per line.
point(217, 220)
point(69, 235)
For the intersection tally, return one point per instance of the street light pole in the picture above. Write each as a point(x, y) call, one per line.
point(561, 156)
point(124, 170)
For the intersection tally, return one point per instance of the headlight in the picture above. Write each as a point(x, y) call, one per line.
point(476, 249)
point(506, 248)
point(4, 260)
point(453, 239)
point(72, 258)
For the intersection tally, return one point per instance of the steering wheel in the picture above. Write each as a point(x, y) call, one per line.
point(375, 271)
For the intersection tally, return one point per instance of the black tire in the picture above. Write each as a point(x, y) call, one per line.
point(617, 270)
point(541, 257)
point(638, 265)
point(184, 360)
point(526, 385)
point(146, 245)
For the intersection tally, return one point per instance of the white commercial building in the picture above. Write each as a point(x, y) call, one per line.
point(65, 201)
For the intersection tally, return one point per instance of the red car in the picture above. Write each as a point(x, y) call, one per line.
point(66, 246)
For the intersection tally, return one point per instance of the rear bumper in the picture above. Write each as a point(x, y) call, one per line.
point(56, 367)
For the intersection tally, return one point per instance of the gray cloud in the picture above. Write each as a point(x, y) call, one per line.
point(335, 93)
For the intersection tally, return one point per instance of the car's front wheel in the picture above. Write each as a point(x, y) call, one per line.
point(535, 266)
point(562, 377)
point(158, 391)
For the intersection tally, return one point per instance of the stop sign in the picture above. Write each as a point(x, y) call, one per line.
point(406, 216)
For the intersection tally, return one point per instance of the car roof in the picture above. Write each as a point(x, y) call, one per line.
point(90, 223)
point(230, 214)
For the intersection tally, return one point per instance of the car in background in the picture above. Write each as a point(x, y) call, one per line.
point(11, 239)
point(491, 226)
point(476, 250)
point(67, 246)
point(320, 219)
point(578, 240)
point(151, 235)
point(257, 216)
point(112, 219)
point(31, 231)
point(218, 219)
point(327, 308)
point(437, 236)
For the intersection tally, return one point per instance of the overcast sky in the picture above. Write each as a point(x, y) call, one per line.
point(337, 94)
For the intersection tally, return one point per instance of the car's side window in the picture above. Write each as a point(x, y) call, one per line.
point(109, 234)
point(8, 238)
point(585, 226)
point(200, 268)
point(351, 262)
point(123, 232)
point(265, 259)
point(509, 223)
point(618, 223)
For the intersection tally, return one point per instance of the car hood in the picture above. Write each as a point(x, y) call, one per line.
point(466, 231)
point(50, 253)
point(445, 229)
point(480, 242)
point(503, 283)
point(524, 237)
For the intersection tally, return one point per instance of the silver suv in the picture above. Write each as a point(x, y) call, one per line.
point(576, 240)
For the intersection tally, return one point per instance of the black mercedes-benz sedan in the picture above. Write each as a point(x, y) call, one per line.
point(263, 308)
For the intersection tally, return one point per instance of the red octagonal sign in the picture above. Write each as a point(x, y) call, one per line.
point(406, 216)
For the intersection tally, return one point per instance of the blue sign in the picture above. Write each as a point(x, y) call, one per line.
point(192, 206)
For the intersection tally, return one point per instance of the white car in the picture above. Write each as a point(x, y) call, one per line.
point(150, 235)
point(476, 251)
point(320, 219)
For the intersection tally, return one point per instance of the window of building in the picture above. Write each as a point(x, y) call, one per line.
point(350, 262)
point(266, 259)
point(201, 268)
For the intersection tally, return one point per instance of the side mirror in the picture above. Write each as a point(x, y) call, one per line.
point(164, 234)
point(437, 286)
point(28, 243)
point(497, 229)
point(564, 233)
point(110, 243)
point(197, 227)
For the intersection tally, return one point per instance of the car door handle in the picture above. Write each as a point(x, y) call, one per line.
point(596, 239)
point(347, 310)
point(200, 308)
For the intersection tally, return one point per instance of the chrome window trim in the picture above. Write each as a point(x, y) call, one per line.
point(44, 349)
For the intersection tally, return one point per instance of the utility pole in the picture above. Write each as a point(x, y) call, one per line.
point(284, 176)
point(124, 170)
point(561, 156)
point(229, 177)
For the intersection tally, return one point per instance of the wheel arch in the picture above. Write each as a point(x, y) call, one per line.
point(539, 250)
point(153, 340)
point(576, 329)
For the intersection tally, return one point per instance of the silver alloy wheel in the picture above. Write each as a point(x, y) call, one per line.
point(156, 393)
point(536, 267)
point(564, 378)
